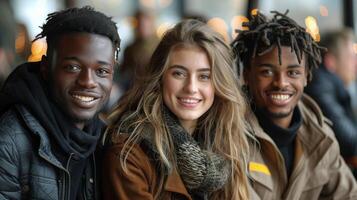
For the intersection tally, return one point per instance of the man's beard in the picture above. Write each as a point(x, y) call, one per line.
point(277, 115)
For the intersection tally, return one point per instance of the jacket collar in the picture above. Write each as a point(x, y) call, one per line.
point(175, 184)
point(35, 127)
point(312, 119)
point(313, 135)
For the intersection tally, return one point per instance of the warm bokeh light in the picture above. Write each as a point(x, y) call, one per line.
point(355, 48)
point(20, 42)
point(236, 23)
point(312, 28)
point(152, 4)
point(254, 11)
point(38, 49)
point(160, 31)
point(132, 21)
point(220, 26)
point(323, 11)
point(164, 3)
point(148, 3)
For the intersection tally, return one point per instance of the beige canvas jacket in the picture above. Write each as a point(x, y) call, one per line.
point(319, 170)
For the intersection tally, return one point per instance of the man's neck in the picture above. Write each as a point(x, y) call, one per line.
point(282, 122)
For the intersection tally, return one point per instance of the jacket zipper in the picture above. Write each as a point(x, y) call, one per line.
point(62, 180)
point(67, 178)
point(94, 180)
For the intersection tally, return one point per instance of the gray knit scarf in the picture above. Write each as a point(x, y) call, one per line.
point(202, 171)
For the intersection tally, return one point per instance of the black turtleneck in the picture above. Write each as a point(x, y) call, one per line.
point(283, 138)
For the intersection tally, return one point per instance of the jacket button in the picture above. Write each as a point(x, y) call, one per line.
point(91, 180)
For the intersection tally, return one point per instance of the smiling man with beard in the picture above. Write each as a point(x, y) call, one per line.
point(49, 121)
point(295, 154)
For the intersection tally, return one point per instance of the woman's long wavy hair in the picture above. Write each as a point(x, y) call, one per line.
point(144, 103)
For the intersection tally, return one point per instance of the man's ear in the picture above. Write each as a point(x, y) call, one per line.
point(44, 67)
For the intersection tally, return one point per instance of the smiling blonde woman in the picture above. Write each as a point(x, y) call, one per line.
point(180, 132)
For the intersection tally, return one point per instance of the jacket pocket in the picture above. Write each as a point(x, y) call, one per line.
point(43, 188)
point(315, 184)
point(317, 180)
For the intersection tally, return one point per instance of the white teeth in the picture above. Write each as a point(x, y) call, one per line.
point(83, 98)
point(189, 100)
point(280, 97)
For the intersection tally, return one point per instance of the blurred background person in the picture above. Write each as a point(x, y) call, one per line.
point(138, 53)
point(329, 87)
point(22, 44)
point(7, 40)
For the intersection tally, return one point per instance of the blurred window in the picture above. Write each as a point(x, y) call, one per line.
point(327, 13)
point(34, 13)
point(221, 14)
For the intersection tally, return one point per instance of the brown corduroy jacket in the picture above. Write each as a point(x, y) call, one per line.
point(141, 181)
point(319, 171)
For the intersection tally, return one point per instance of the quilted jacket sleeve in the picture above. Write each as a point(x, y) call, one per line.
point(9, 160)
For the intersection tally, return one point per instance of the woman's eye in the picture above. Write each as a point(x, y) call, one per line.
point(205, 77)
point(178, 74)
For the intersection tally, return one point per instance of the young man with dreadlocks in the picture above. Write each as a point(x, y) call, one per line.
point(49, 126)
point(296, 155)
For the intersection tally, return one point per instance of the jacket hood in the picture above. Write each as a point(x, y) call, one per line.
point(23, 86)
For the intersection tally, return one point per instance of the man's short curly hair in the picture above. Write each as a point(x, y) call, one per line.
point(84, 19)
point(263, 35)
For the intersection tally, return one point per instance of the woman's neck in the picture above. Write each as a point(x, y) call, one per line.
point(189, 125)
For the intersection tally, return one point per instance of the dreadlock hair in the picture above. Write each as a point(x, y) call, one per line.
point(263, 35)
point(79, 20)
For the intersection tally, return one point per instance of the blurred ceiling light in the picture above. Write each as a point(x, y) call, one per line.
point(254, 11)
point(38, 49)
point(160, 31)
point(164, 3)
point(220, 26)
point(323, 11)
point(312, 28)
point(237, 23)
point(117, 2)
point(148, 3)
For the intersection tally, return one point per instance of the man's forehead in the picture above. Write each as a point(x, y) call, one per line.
point(276, 57)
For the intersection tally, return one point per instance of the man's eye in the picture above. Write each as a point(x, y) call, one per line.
point(266, 72)
point(73, 68)
point(294, 73)
point(103, 72)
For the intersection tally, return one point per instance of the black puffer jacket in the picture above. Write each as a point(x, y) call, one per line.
point(33, 162)
point(28, 169)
